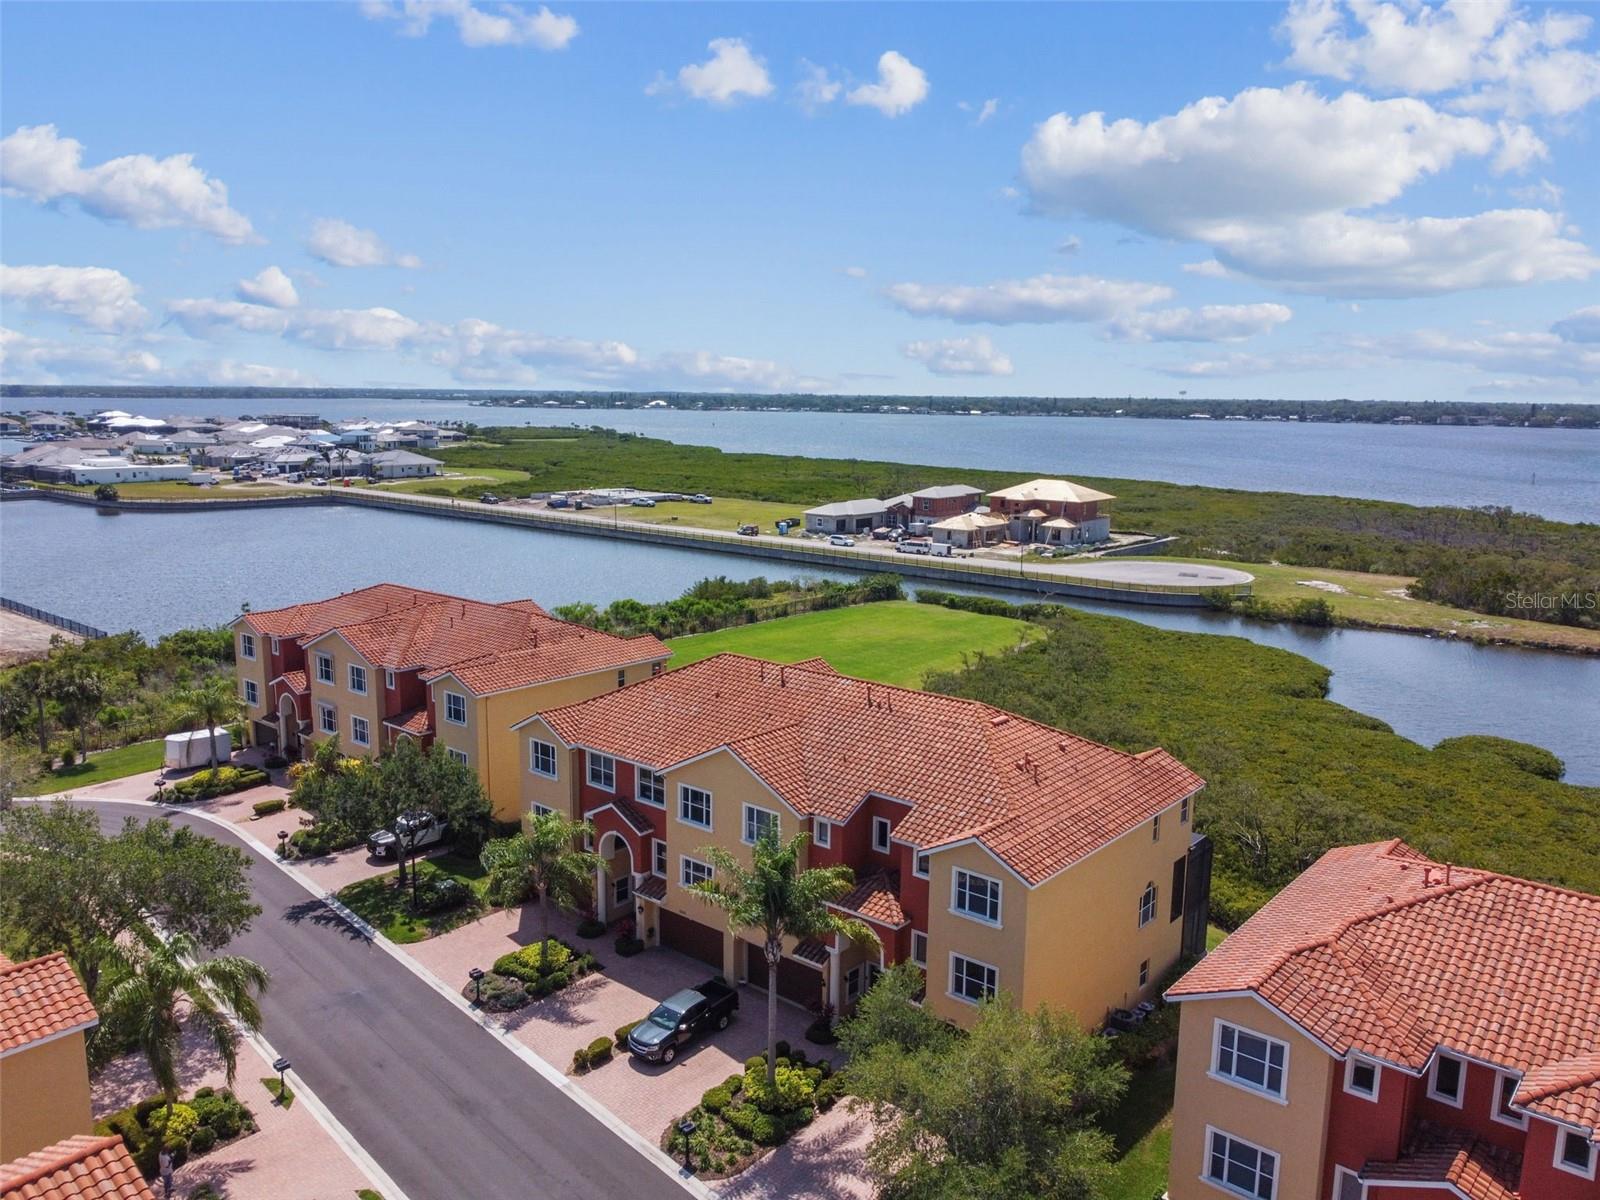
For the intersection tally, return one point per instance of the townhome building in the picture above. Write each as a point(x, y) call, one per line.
point(45, 1016)
point(1054, 511)
point(997, 853)
point(389, 661)
point(1390, 1028)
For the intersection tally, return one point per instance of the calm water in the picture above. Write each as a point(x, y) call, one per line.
point(159, 572)
point(1554, 472)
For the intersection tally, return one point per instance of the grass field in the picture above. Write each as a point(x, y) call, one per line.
point(100, 768)
point(896, 642)
point(722, 513)
point(171, 490)
point(386, 908)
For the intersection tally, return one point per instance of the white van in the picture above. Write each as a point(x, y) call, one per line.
point(913, 546)
point(943, 550)
point(840, 539)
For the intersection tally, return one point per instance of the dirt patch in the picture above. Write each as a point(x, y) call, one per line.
point(1322, 585)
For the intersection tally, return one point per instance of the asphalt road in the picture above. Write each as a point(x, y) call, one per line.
point(441, 1105)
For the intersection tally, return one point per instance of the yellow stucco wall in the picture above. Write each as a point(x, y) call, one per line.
point(560, 793)
point(44, 1096)
point(346, 704)
point(1004, 948)
point(1293, 1130)
point(255, 670)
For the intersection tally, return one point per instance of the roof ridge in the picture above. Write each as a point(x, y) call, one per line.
point(68, 1151)
point(6, 966)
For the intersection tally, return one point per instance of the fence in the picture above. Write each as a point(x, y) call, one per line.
point(50, 618)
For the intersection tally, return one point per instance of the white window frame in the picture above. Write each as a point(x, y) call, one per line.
point(360, 741)
point(1244, 1085)
point(884, 824)
point(685, 863)
point(1183, 811)
point(534, 746)
point(1223, 1185)
point(353, 672)
point(252, 693)
point(976, 962)
point(328, 720)
point(1339, 1174)
point(683, 804)
point(1144, 972)
point(388, 679)
point(755, 810)
point(916, 936)
point(622, 889)
point(961, 873)
point(1514, 1119)
point(658, 858)
point(1152, 894)
point(459, 755)
point(325, 661)
point(1155, 828)
point(449, 698)
point(1559, 1161)
point(247, 646)
point(601, 771)
point(1350, 1076)
point(639, 793)
point(822, 833)
point(1461, 1081)
point(921, 864)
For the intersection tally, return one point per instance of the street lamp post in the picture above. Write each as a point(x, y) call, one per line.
point(161, 790)
point(476, 975)
point(283, 843)
point(687, 1128)
point(280, 1066)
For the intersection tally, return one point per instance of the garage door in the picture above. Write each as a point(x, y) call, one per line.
point(796, 981)
point(692, 938)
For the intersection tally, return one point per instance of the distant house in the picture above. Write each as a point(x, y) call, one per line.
point(1054, 511)
point(84, 462)
point(847, 516)
point(10, 428)
point(933, 504)
point(44, 1069)
point(401, 464)
point(45, 423)
point(970, 530)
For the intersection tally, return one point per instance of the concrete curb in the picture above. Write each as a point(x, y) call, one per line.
point(552, 1074)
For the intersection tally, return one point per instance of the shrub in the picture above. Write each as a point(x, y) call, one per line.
point(820, 1032)
point(716, 1099)
point(524, 964)
point(591, 927)
point(755, 1062)
point(580, 1059)
point(828, 1093)
point(743, 1119)
point(202, 1140)
point(276, 762)
point(791, 1089)
point(438, 893)
point(734, 1084)
point(176, 1128)
point(627, 946)
point(783, 1049)
point(265, 808)
point(764, 1131)
point(623, 1031)
point(1235, 900)
point(599, 1051)
point(325, 837)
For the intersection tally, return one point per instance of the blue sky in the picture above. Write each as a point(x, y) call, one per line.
point(1317, 200)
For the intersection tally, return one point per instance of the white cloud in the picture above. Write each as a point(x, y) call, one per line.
point(1581, 326)
point(1209, 323)
point(731, 73)
point(38, 164)
point(1043, 298)
point(725, 372)
point(270, 286)
point(1519, 149)
point(228, 372)
point(501, 25)
point(856, 272)
point(25, 359)
point(340, 244)
point(97, 297)
point(901, 86)
point(1207, 269)
point(1490, 53)
point(476, 350)
point(207, 318)
point(1070, 244)
point(355, 329)
point(960, 356)
point(817, 89)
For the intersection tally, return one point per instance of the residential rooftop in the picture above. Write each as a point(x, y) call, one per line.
point(40, 999)
point(84, 1167)
point(1052, 491)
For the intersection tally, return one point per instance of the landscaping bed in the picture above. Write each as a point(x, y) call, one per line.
point(212, 1117)
point(323, 838)
point(519, 978)
point(739, 1120)
point(449, 892)
point(203, 785)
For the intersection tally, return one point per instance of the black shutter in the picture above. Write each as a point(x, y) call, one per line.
point(1178, 873)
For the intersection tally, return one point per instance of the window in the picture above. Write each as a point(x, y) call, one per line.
point(1249, 1059)
point(327, 719)
point(459, 755)
point(455, 708)
point(976, 896)
point(758, 823)
point(324, 668)
point(1575, 1153)
point(1180, 868)
point(824, 833)
point(971, 980)
point(252, 693)
point(1445, 1084)
point(919, 866)
point(1347, 1184)
point(1155, 828)
point(658, 857)
point(1504, 1094)
point(1361, 1078)
point(880, 834)
point(1183, 811)
point(651, 788)
point(388, 680)
point(542, 810)
point(541, 758)
point(275, 645)
point(621, 889)
point(622, 678)
point(1147, 905)
point(358, 680)
point(919, 947)
point(694, 806)
point(1241, 1168)
point(1144, 972)
point(247, 645)
point(359, 733)
point(692, 871)
point(603, 772)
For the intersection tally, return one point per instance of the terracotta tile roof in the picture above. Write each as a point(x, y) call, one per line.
point(812, 952)
point(1437, 1155)
point(39, 999)
point(414, 721)
point(1377, 949)
point(877, 898)
point(653, 888)
point(630, 813)
point(489, 647)
point(80, 1168)
point(1037, 797)
point(295, 681)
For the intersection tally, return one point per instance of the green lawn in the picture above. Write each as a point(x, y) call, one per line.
point(172, 489)
point(724, 513)
point(1142, 1128)
point(896, 641)
point(106, 765)
point(381, 904)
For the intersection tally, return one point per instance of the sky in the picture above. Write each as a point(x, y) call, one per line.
point(1333, 198)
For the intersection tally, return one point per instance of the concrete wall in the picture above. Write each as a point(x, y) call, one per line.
point(44, 1096)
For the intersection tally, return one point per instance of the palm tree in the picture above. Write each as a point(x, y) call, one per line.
point(80, 691)
point(211, 704)
point(775, 896)
point(545, 860)
point(33, 680)
point(143, 988)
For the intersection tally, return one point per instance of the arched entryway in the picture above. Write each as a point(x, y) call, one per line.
point(613, 884)
point(288, 727)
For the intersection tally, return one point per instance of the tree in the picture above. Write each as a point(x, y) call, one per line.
point(33, 681)
point(543, 860)
point(1007, 1110)
point(107, 492)
point(210, 705)
point(775, 896)
point(80, 690)
point(150, 989)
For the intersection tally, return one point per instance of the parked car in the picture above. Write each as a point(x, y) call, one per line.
point(681, 1017)
point(699, 498)
point(749, 530)
point(840, 539)
point(914, 546)
point(558, 502)
point(419, 829)
point(643, 502)
point(488, 498)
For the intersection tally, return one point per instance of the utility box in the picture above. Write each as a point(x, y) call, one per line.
point(186, 751)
